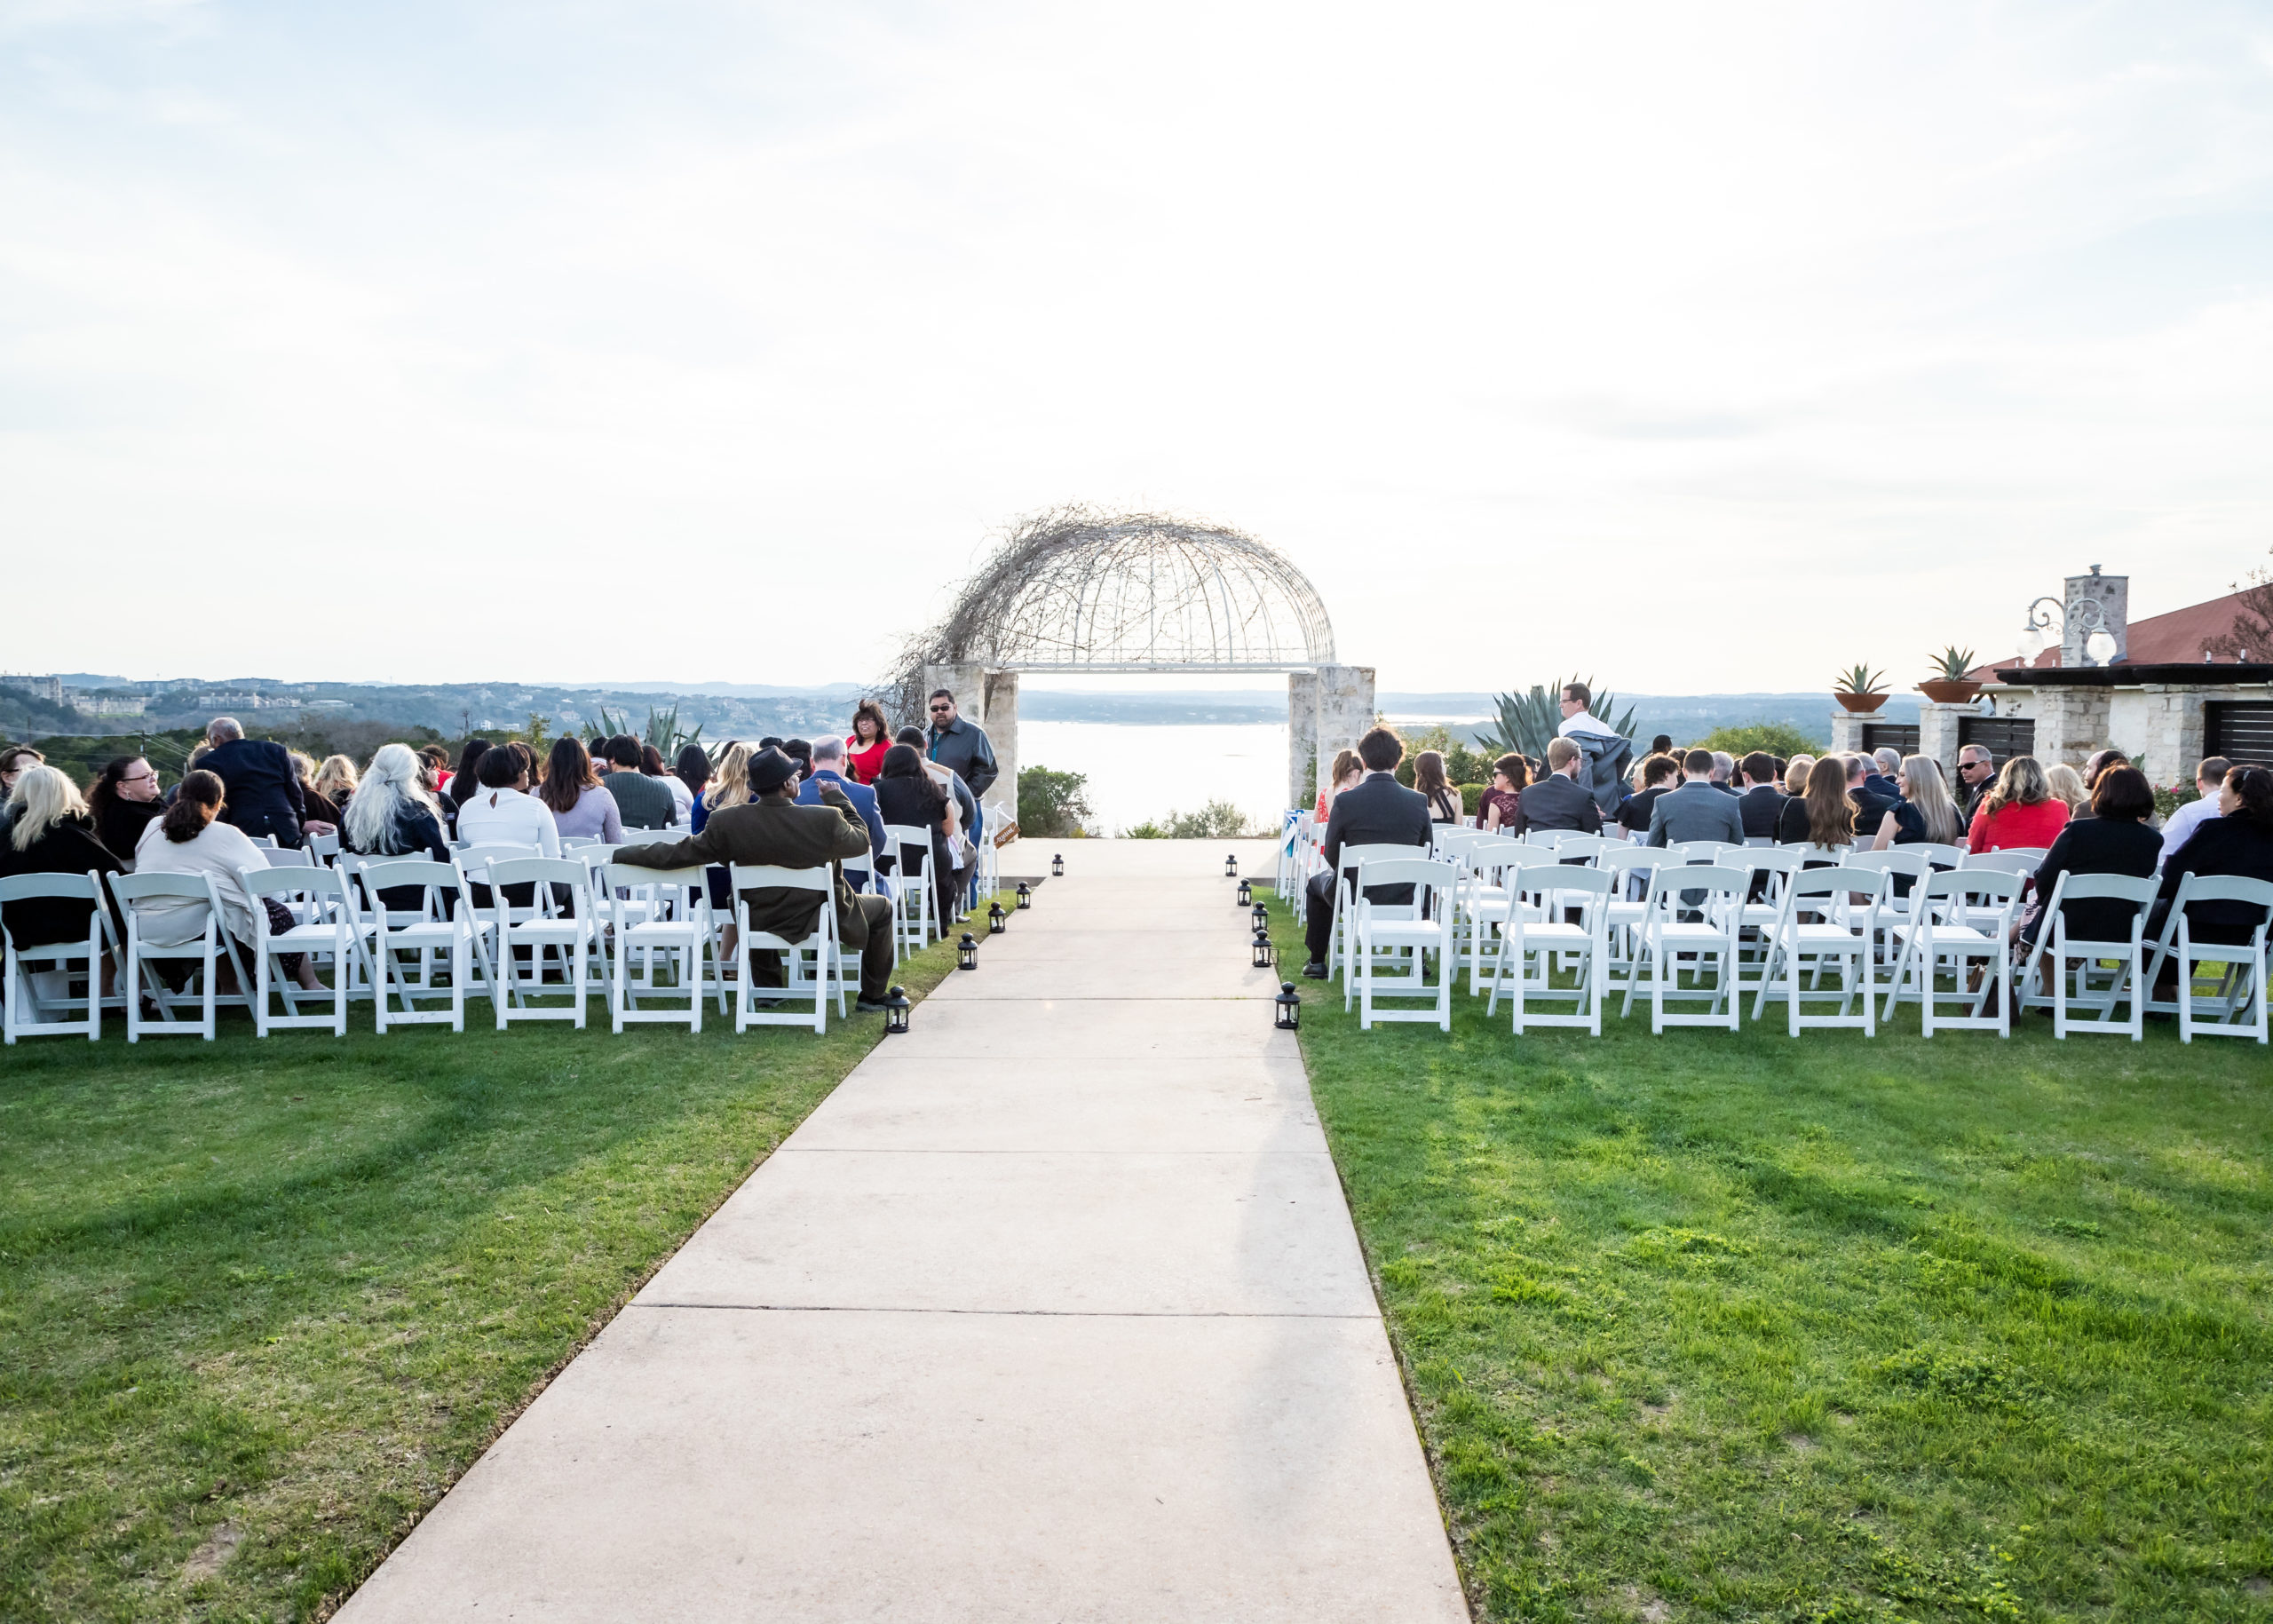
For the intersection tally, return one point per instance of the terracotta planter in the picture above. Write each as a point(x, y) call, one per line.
point(1950, 691)
point(1860, 704)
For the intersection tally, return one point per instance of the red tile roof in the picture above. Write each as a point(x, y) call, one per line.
point(2175, 639)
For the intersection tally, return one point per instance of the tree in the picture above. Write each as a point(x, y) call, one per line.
point(2251, 635)
point(1773, 738)
point(1525, 724)
point(1052, 803)
point(1216, 820)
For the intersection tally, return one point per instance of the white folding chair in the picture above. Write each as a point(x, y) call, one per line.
point(1338, 954)
point(2011, 860)
point(32, 994)
point(327, 924)
point(1701, 852)
point(1486, 893)
point(2240, 988)
point(207, 949)
point(543, 928)
point(1938, 856)
point(1957, 919)
point(820, 943)
point(1823, 924)
point(434, 928)
point(682, 933)
point(1716, 896)
point(2044, 984)
point(323, 848)
point(915, 908)
point(1583, 948)
point(1403, 934)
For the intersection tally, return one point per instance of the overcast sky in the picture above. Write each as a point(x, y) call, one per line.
point(1696, 347)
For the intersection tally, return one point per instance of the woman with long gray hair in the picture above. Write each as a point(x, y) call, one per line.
point(391, 814)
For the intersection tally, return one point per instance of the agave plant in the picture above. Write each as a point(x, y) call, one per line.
point(662, 729)
point(1953, 662)
point(1526, 721)
point(1860, 679)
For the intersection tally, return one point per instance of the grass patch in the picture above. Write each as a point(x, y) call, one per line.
point(262, 1303)
point(1733, 1326)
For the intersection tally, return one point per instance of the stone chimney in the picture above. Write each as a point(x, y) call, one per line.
point(2111, 596)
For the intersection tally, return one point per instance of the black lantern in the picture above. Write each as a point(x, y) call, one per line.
point(896, 1009)
point(995, 918)
point(1025, 894)
point(1289, 1006)
point(1263, 949)
point(1260, 915)
point(1057, 867)
point(1246, 893)
point(1232, 866)
point(967, 952)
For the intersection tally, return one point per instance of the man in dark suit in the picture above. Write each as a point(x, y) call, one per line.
point(261, 789)
point(827, 757)
point(1871, 806)
point(1763, 800)
point(1377, 811)
point(774, 830)
point(1558, 800)
point(1976, 776)
point(1697, 809)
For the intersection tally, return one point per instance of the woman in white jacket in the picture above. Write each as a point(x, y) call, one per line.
point(189, 840)
point(502, 812)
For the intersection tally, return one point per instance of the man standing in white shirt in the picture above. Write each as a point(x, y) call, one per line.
point(1607, 751)
point(2188, 818)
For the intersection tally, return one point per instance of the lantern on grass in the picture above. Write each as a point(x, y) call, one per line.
point(1025, 894)
point(1289, 1007)
point(1246, 893)
point(896, 1009)
point(1232, 865)
point(967, 952)
point(1263, 957)
point(1057, 867)
point(1261, 916)
point(996, 919)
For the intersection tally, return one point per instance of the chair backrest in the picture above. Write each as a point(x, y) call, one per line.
point(1670, 882)
point(617, 876)
point(768, 876)
point(1940, 856)
point(289, 857)
point(540, 871)
point(78, 887)
point(1419, 872)
point(1620, 859)
point(899, 836)
point(1357, 857)
point(2010, 861)
point(129, 888)
point(284, 880)
point(2222, 887)
point(1574, 846)
point(1894, 860)
point(264, 840)
point(2075, 887)
point(1840, 881)
point(1948, 884)
point(1699, 851)
point(388, 873)
point(324, 846)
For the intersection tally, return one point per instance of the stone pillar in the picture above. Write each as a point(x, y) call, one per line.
point(1301, 740)
point(1001, 726)
point(1937, 736)
point(1345, 710)
point(1846, 732)
point(2071, 724)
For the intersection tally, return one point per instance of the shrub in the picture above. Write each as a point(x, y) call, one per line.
point(1776, 738)
point(1472, 798)
point(1052, 803)
point(1216, 820)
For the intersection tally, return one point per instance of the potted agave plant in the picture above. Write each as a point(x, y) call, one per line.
point(1951, 687)
point(1860, 689)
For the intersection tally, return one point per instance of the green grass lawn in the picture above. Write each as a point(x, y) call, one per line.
point(261, 1303)
point(1733, 1326)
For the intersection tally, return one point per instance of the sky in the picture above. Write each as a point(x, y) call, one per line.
point(1699, 348)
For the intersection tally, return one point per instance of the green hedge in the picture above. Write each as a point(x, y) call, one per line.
point(1472, 797)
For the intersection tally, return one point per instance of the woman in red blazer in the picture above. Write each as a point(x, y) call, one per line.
point(865, 744)
point(2021, 810)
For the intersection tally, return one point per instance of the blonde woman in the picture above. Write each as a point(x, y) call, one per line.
point(335, 780)
point(1796, 774)
point(51, 833)
point(1925, 813)
point(729, 784)
point(2019, 811)
point(2067, 787)
point(321, 816)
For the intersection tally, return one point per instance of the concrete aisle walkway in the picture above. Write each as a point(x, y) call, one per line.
point(1053, 1310)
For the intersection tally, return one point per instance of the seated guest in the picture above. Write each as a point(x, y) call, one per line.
point(335, 780)
point(1821, 815)
point(951, 785)
point(908, 796)
point(49, 831)
point(692, 768)
point(642, 802)
point(1347, 769)
point(14, 761)
point(2209, 777)
point(1871, 807)
point(1795, 775)
point(1697, 810)
point(1497, 811)
point(1762, 803)
point(1724, 767)
point(828, 768)
point(2099, 761)
point(729, 784)
point(2114, 840)
point(1379, 810)
point(191, 838)
point(580, 808)
point(124, 798)
point(1558, 800)
point(1925, 814)
point(323, 816)
point(463, 782)
point(1429, 782)
point(2067, 787)
point(1882, 773)
point(2238, 841)
point(434, 763)
point(801, 751)
point(1661, 745)
point(2019, 811)
point(501, 811)
point(773, 741)
point(775, 830)
point(1659, 774)
point(260, 788)
point(394, 815)
point(865, 746)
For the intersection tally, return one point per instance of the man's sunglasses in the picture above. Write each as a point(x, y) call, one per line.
point(941, 710)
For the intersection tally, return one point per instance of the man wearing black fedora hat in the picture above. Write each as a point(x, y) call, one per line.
point(774, 830)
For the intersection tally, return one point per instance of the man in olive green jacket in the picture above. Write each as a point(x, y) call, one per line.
point(775, 829)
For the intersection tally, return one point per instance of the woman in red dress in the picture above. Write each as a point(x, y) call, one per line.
point(865, 746)
point(2021, 810)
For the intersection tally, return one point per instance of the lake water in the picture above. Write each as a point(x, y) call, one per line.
point(1137, 773)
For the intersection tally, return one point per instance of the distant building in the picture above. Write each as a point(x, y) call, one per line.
point(49, 688)
point(110, 704)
